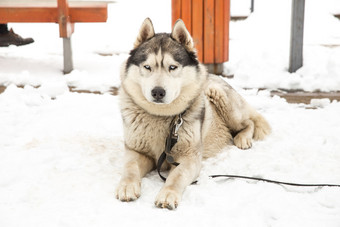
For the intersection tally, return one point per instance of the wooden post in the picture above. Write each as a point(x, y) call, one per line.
point(197, 27)
point(66, 29)
point(68, 62)
point(296, 35)
point(65, 26)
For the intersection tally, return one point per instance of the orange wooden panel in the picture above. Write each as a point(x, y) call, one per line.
point(50, 14)
point(209, 31)
point(197, 27)
point(88, 14)
point(186, 13)
point(175, 10)
point(208, 22)
point(219, 31)
point(19, 14)
point(226, 20)
point(49, 3)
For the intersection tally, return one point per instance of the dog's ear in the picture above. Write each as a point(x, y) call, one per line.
point(145, 32)
point(182, 35)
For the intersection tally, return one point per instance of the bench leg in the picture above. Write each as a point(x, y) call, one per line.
point(68, 62)
point(215, 68)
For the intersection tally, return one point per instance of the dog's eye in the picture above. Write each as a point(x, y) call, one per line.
point(172, 67)
point(147, 67)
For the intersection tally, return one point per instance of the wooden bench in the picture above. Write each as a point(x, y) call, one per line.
point(63, 12)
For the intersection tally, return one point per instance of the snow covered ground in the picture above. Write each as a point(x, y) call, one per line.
point(259, 48)
point(61, 152)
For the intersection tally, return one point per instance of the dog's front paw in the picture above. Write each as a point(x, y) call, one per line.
point(242, 141)
point(128, 191)
point(167, 198)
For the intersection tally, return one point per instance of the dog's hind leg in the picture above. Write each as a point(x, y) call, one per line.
point(256, 127)
point(136, 167)
point(238, 115)
point(243, 138)
point(262, 128)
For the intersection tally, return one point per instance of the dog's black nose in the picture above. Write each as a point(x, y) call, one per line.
point(158, 93)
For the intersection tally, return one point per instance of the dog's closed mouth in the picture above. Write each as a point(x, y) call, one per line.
point(158, 101)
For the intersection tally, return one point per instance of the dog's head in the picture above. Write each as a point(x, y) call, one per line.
point(162, 72)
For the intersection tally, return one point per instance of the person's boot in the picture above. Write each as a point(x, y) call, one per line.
point(11, 38)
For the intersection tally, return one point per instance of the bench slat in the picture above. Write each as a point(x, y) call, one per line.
point(88, 14)
point(50, 14)
point(28, 15)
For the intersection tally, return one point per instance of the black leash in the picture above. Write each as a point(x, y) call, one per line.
point(173, 138)
point(276, 182)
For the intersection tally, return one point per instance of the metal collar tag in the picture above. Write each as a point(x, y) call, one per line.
point(177, 125)
point(173, 138)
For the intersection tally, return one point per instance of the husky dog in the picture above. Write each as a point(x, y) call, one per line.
point(160, 80)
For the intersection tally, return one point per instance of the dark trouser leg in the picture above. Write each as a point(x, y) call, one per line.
point(3, 29)
point(8, 38)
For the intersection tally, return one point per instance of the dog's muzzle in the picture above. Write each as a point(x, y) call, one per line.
point(158, 93)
